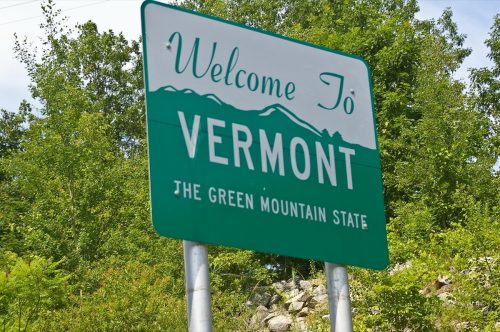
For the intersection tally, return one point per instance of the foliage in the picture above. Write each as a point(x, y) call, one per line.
point(29, 288)
point(12, 130)
point(77, 249)
point(131, 296)
point(92, 72)
point(486, 86)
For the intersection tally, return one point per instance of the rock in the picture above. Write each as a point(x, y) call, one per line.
point(446, 297)
point(444, 289)
point(300, 325)
point(306, 297)
point(274, 307)
point(436, 285)
point(304, 312)
point(485, 259)
point(463, 326)
point(477, 304)
point(274, 299)
point(316, 282)
point(465, 272)
point(444, 280)
point(292, 304)
point(400, 267)
point(302, 297)
point(261, 309)
point(279, 323)
point(270, 316)
point(295, 306)
point(426, 291)
point(325, 317)
point(279, 286)
point(305, 285)
point(318, 300)
point(259, 316)
point(486, 309)
point(260, 299)
point(320, 290)
point(293, 293)
point(481, 264)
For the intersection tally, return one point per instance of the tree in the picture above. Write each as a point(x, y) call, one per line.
point(70, 167)
point(486, 87)
point(101, 71)
point(74, 186)
point(81, 187)
point(28, 289)
point(11, 129)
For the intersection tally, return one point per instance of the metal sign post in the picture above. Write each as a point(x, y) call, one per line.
point(338, 298)
point(197, 287)
point(285, 129)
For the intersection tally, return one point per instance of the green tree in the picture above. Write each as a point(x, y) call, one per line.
point(81, 175)
point(12, 131)
point(72, 165)
point(28, 288)
point(486, 87)
point(102, 71)
point(74, 185)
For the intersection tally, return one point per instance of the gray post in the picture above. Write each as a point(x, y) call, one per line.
point(338, 298)
point(197, 287)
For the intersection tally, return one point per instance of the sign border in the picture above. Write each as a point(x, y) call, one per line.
point(275, 35)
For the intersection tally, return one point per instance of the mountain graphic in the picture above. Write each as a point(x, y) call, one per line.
point(267, 111)
point(279, 108)
point(273, 118)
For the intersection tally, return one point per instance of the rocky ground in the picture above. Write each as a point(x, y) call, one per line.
point(302, 305)
point(289, 306)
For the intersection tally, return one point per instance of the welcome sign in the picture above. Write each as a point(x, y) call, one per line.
point(260, 142)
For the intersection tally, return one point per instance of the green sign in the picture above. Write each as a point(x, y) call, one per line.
point(260, 142)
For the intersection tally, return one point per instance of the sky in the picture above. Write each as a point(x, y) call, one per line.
point(474, 18)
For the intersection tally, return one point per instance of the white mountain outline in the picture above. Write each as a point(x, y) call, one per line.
point(266, 111)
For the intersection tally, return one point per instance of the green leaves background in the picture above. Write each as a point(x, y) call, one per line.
point(77, 249)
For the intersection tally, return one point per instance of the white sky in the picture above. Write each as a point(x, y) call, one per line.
point(474, 18)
